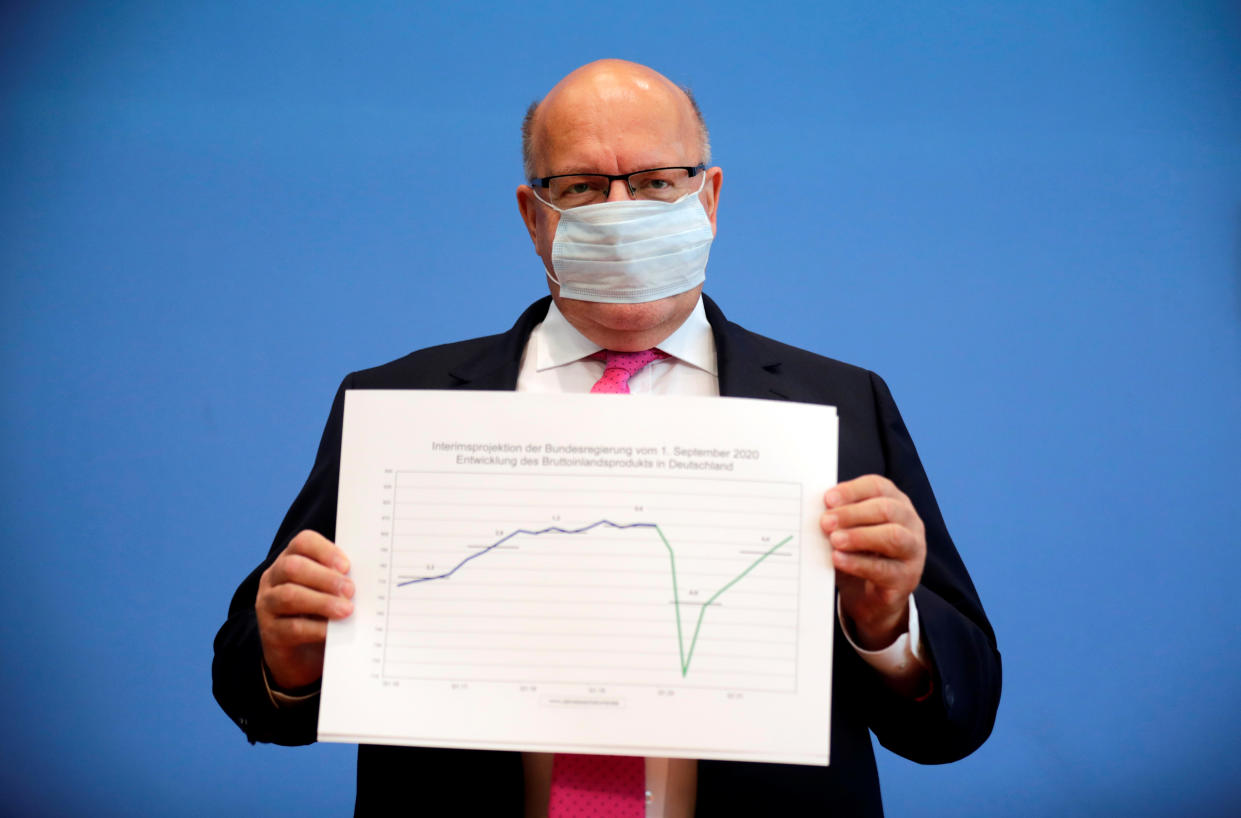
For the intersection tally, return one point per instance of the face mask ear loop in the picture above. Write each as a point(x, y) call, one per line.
point(701, 186)
point(544, 201)
point(551, 277)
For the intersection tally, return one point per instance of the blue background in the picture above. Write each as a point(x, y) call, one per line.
point(1026, 216)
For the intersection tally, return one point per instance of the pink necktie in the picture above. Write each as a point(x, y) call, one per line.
point(585, 786)
point(597, 787)
point(618, 368)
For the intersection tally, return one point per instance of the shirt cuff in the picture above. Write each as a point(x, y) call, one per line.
point(900, 658)
point(279, 699)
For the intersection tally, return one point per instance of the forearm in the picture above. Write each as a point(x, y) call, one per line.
point(958, 715)
point(240, 689)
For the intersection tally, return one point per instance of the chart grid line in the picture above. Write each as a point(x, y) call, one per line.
point(423, 545)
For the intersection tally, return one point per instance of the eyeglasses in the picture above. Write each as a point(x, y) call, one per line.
point(568, 190)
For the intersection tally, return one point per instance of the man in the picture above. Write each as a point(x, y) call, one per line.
point(915, 659)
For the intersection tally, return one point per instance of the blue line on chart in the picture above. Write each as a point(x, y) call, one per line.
point(550, 529)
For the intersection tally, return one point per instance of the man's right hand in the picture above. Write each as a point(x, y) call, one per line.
point(298, 593)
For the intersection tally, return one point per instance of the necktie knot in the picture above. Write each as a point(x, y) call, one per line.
point(619, 367)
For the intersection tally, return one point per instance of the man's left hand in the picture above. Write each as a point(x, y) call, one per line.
point(879, 549)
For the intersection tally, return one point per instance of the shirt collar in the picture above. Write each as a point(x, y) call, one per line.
point(557, 342)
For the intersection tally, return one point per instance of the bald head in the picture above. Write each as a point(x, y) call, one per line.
point(598, 101)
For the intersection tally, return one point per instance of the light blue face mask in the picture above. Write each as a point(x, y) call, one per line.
point(630, 252)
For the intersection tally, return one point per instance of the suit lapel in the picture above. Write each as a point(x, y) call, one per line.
point(496, 367)
point(746, 369)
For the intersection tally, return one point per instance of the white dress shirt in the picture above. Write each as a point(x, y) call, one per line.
point(556, 360)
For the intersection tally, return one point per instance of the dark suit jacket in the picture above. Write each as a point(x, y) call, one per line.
point(953, 722)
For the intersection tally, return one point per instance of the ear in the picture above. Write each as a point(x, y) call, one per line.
point(528, 205)
point(711, 193)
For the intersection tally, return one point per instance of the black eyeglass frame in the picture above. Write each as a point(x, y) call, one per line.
point(546, 181)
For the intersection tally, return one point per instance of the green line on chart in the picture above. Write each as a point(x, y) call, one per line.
point(676, 597)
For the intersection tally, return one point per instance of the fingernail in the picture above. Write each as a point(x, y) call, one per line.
point(839, 538)
point(344, 607)
point(833, 499)
point(342, 565)
point(830, 522)
point(346, 587)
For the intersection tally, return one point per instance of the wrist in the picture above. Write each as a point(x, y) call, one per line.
point(281, 696)
point(879, 633)
point(291, 677)
point(901, 662)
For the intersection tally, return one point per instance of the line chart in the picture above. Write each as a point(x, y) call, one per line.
point(593, 579)
point(686, 655)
